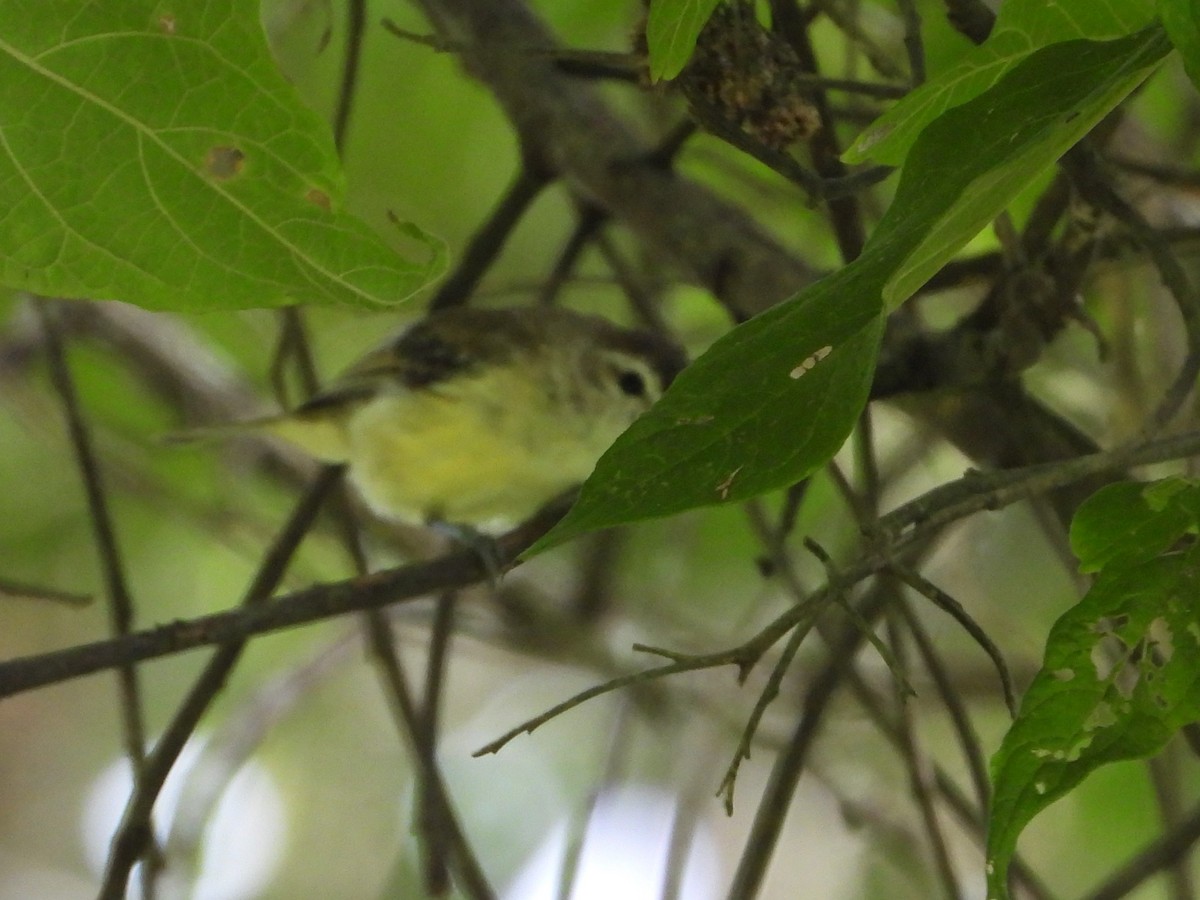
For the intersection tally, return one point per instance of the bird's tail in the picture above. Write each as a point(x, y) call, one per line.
point(321, 436)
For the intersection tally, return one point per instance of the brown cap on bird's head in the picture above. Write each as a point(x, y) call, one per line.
point(664, 355)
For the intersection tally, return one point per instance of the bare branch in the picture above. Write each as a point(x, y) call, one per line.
point(323, 601)
point(135, 831)
point(579, 138)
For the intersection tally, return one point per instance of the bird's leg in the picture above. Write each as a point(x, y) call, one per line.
point(482, 545)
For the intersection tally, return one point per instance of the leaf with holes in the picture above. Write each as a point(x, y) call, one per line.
point(672, 27)
point(154, 153)
point(1022, 28)
point(1131, 522)
point(1121, 675)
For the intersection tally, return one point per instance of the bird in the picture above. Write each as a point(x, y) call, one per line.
point(477, 418)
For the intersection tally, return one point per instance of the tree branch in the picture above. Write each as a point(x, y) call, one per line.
point(321, 601)
point(713, 242)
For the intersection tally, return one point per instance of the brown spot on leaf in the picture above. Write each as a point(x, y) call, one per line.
point(166, 23)
point(224, 162)
point(318, 197)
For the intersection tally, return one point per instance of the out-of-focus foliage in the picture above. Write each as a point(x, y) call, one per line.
point(126, 120)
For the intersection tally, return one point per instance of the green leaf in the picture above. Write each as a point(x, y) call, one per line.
point(1132, 522)
point(154, 153)
point(1022, 28)
point(1040, 109)
point(771, 401)
point(736, 423)
point(1181, 19)
point(1121, 675)
point(672, 27)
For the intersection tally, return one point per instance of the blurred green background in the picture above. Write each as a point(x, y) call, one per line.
point(326, 797)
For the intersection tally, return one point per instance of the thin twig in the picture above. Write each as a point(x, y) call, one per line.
point(881, 89)
point(972, 818)
point(588, 222)
point(765, 697)
point(844, 213)
point(1084, 165)
point(630, 67)
point(912, 41)
point(968, 738)
point(436, 42)
point(135, 829)
point(618, 741)
point(680, 663)
point(625, 66)
point(1166, 778)
point(291, 344)
point(918, 766)
point(785, 775)
point(239, 736)
point(948, 604)
point(640, 299)
point(1158, 855)
point(471, 878)
point(356, 25)
point(430, 812)
point(779, 161)
point(120, 601)
point(1164, 173)
point(978, 490)
point(866, 460)
point(835, 578)
point(20, 590)
point(485, 245)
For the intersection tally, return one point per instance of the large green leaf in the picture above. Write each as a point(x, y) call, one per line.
point(152, 152)
point(775, 398)
point(1040, 109)
point(1121, 676)
point(672, 27)
point(770, 402)
point(1022, 28)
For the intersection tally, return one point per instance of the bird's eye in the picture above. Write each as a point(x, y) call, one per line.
point(631, 383)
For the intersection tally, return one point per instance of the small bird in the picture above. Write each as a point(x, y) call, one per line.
point(479, 417)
